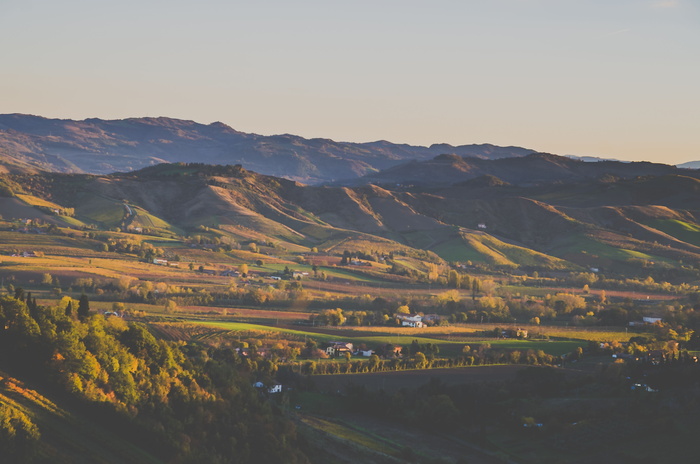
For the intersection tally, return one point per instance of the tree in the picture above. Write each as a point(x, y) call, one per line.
point(69, 309)
point(331, 317)
point(476, 288)
point(309, 367)
point(421, 361)
point(243, 269)
point(564, 303)
point(373, 362)
point(170, 307)
point(83, 307)
point(454, 280)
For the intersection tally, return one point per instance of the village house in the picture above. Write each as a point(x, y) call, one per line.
point(514, 333)
point(415, 320)
point(336, 349)
point(27, 254)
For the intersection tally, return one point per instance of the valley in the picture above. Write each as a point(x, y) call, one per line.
point(382, 312)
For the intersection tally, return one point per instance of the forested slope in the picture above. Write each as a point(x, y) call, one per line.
point(172, 403)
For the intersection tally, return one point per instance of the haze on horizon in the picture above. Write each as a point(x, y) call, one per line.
point(615, 78)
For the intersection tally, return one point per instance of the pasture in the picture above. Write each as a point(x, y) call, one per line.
point(395, 380)
point(450, 347)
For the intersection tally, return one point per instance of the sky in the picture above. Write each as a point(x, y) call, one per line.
point(608, 78)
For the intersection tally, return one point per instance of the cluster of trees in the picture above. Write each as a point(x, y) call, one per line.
point(659, 283)
point(19, 436)
point(480, 355)
point(142, 249)
point(350, 255)
point(190, 403)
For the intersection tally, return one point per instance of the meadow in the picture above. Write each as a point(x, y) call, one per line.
point(402, 337)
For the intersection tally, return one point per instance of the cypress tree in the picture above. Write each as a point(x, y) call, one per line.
point(83, 307)
point(69, 309)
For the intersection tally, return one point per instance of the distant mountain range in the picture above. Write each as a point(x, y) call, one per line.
point(690, 165)
point(533, 169)
point(99, 146)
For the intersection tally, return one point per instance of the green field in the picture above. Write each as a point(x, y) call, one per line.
point(448, 347)
point(598, 249)
point(143, 218)
point(681, 230)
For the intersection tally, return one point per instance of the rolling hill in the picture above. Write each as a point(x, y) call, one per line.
point(533, 169)
point(611, 223)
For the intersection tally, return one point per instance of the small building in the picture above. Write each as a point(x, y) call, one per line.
point(339, 348)
point(276, 388)
point(652, 319)
point(415, 320)
point(160, 261)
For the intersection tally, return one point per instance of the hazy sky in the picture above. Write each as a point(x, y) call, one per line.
point(610, 78)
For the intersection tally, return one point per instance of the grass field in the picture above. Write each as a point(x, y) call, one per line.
point(143, 218)
point(684, 231)
point(577, 244)
point(351, 434)
point(447, 347)
point(465, 331)
point(36, 201)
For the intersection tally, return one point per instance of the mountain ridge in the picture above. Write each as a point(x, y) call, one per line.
point(99, 146)
point(534, 168)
